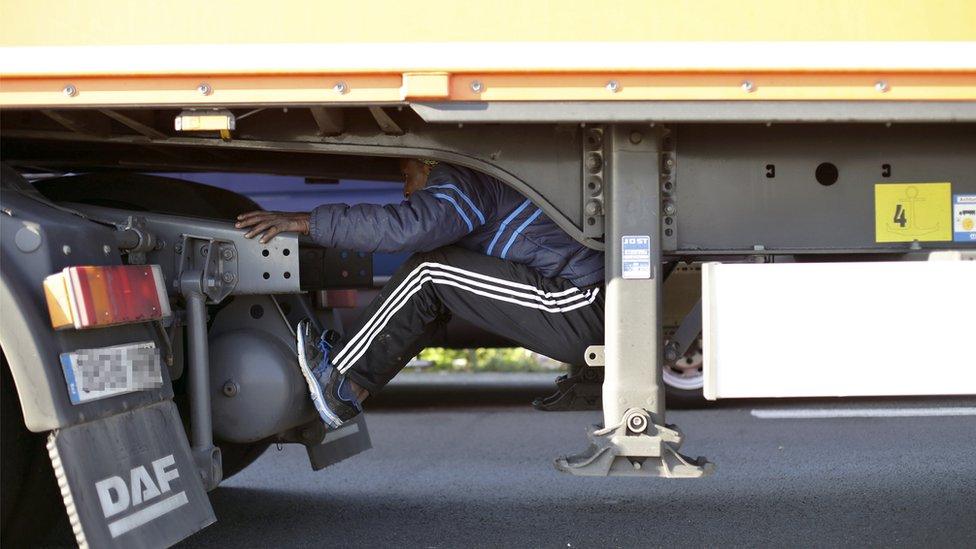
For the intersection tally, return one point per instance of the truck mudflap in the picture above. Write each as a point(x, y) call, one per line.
point(339, 444)
point(129, 480)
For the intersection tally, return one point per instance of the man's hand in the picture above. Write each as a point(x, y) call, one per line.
point(272, 223)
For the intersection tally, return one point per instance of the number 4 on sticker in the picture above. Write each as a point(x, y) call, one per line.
point(900, 218)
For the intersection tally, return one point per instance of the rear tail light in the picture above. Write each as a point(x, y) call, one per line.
point(98, 296)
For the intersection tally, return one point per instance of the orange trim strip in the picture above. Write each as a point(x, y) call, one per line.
point(720, 86)
point(331, 88)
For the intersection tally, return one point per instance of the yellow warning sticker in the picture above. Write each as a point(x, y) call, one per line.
point(904, 212)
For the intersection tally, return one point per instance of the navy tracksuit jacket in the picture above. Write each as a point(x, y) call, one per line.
point(463, 207)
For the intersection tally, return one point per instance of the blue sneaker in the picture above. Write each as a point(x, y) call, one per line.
point(331, 394)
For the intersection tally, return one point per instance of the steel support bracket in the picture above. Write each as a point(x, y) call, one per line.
point(206, 265)
point(685, 335)
point(635, 441)
point(137, 238)
point(205, 454)
point(207, 271)
point(595, 356)
point(653, 453)
point(210, 464)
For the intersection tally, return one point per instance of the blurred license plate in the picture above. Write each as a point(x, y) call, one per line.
point(93, 374)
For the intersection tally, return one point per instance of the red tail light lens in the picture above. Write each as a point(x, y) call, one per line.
point(97, 296)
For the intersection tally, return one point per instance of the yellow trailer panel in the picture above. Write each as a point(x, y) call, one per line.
point(115, 53)
point(121, 22)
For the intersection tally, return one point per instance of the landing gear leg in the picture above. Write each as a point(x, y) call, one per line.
point(634, 439)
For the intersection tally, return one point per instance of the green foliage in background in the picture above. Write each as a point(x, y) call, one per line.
point(512, 359)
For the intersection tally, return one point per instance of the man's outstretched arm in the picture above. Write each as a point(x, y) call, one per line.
point(432, 218)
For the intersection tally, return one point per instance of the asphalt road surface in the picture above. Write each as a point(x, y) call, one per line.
point(788, 474)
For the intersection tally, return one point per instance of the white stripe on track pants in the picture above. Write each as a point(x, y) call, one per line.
point(550, 316)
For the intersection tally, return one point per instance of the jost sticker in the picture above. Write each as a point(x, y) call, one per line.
point(636, 258)
point(904, 212)
point(964, 218)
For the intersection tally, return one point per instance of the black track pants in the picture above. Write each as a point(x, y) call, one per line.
point(546, 315)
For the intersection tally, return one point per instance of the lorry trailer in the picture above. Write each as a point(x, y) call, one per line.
point(818, 170)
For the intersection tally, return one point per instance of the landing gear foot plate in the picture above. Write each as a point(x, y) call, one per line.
point(603, 459)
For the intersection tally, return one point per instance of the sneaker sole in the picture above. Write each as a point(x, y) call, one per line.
point(315, 391)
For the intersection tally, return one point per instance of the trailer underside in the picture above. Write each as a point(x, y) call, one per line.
point(773, 186)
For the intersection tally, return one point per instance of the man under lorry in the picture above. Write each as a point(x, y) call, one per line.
point(482, 251)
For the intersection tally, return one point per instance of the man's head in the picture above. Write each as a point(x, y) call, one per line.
point(415, 173)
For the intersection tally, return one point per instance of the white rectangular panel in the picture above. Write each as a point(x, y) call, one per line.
point(839, 329)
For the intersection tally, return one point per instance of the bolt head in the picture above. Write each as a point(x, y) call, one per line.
point(66, 250)
point(204, 89)
point(594, 138)
point(107, 249)
point(670, 353)
point(613, 86)
point(477, 86)
point(227, 254)
point(595, 186)
point(228, 277)
point(882, 86)
point(669, 208)
point(340, 87)
point(230, 389)
point(70, 90)
point(636, 137)
point(594, 162)
point(748, 86)
point(637, 423)
point(592, 207)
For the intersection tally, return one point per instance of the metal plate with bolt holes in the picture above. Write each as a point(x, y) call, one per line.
point(323, 268)
point(270, 268)
point(129, 481)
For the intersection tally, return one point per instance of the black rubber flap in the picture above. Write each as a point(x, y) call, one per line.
point(129, 481)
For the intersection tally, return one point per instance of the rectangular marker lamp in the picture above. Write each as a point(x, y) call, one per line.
point(205, 120)
point(98, 296)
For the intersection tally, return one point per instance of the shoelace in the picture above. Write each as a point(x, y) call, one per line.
point(324, 347)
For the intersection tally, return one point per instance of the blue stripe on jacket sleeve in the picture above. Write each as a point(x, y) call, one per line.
point(464, 197)
point(458, 208)
point(505, 222)
point(520, 228)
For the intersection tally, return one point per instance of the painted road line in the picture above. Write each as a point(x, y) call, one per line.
point(826, 413)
